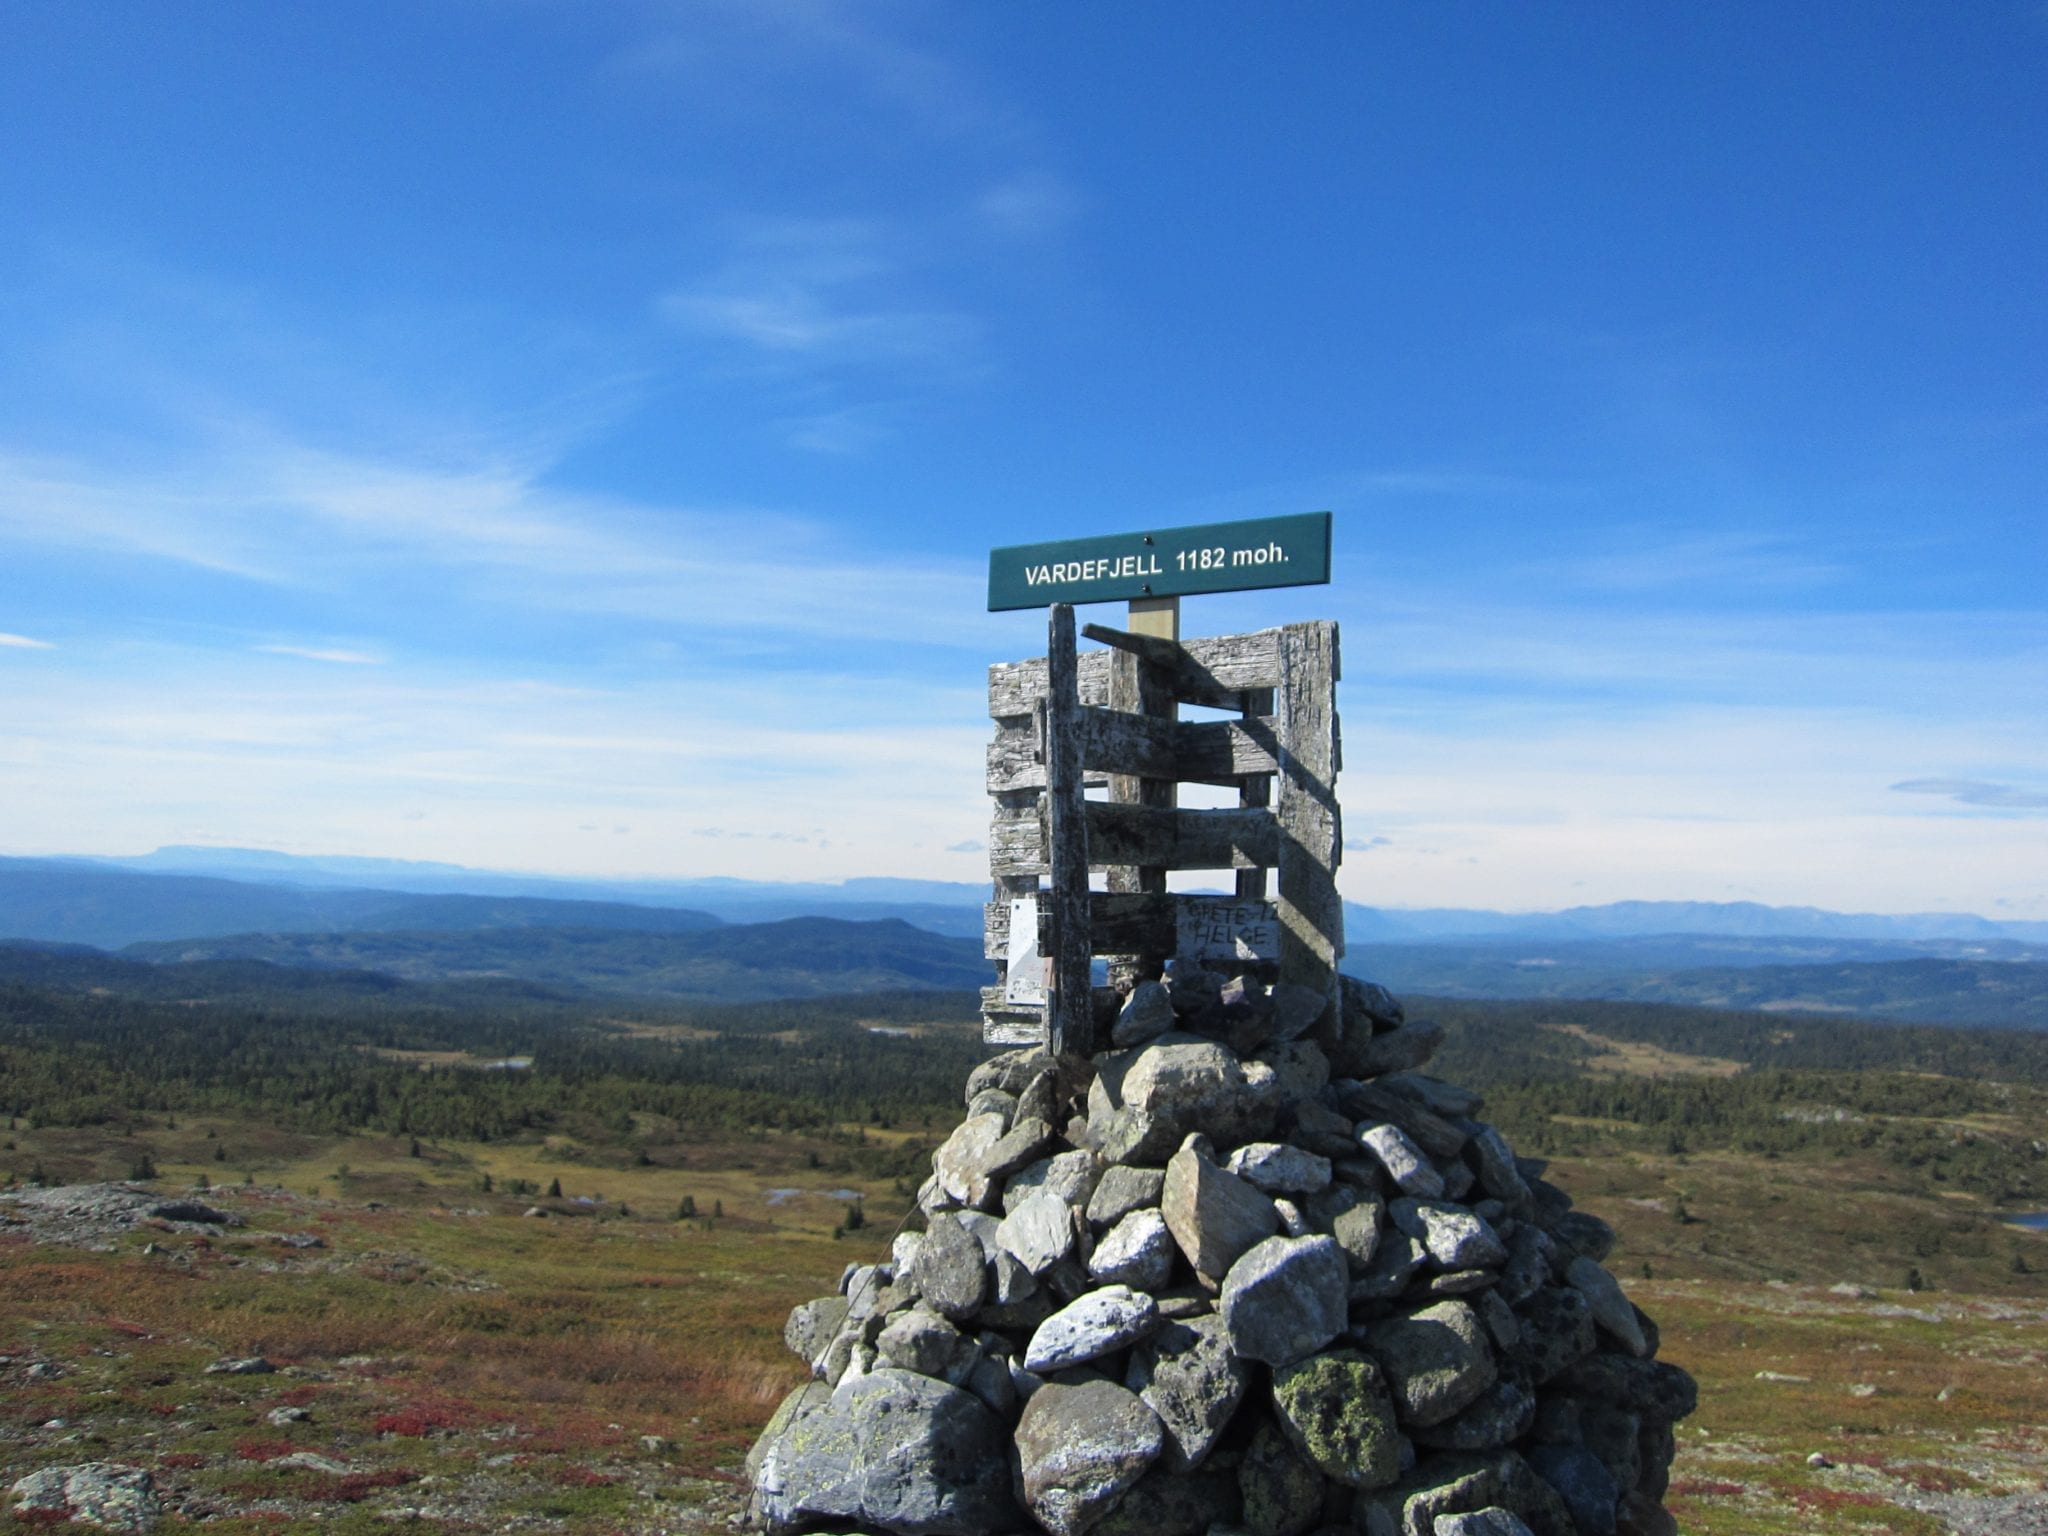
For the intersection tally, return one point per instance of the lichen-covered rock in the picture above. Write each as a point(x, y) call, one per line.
point(812, 1326)
point(921, 1340)
point(1285, 1298)
point(101, 1493)
point(1079, 1448)
point(1167, 1503)
point(1611, 1309)
point(1039, 1233)
point(897, 1450)
point(1147, 1100)
point(1188, 1374)
point(961, 1165)
point(1282, 1490)
point(1097, 1324)
point(1501, 1415)
point(1279, 1169)
point(1070, 1176)
point(1585, 1485)
point(1437, 1360)
point(1336, 1409)
point(1556, 1328)
point(1492, 1521)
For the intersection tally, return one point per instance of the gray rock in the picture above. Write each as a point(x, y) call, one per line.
point(1079, 1449)
point(1652, 1388)
point(983, 1226)
point(1357, 1231)
point(1581, 1232)
point(1122, 1190)
point(1455, 1238)
point(1172, 1086)
point(1370, 1001)
point(1040, 1099)
point(310, 1461)
point(1498, 1174)
point(1147, 1013)
point(101, 1493)
point(1039, 1233)
point(921, 1340)
point(1012, 1281)
point(1069, 1175)
point(247, 1365)
point(1369, 1103)
point(1584, 1484)
point(1167, 1503)
point(1188, 1374)
point(993, 1101)
point(1403, 1160)
point(1138, 1251)
point(812, 1326)
point(288, 1415)
point(1396, 1262)
point(950, 1271)
point(1097, 1324)
point(1320, 1129)
point(807, 1399)
point(1286, 1298)
point(1292, 1222)
point(903, 1251)
point(1437, 1361)
point(1503, 1414)
point(1499, 1318)
point(1297, 1010)
point(989, 1379)
point(1279, 1169)
point(1556, 1328)
point(1282, 1490)
point(1214, 1215)
point(1491, 1521)
point(1010, 1072)
point(1611, 1309)
point(1300, 1072)
point(1336, 1409)
point(961, 1165)
point(1399, 1049)
point(1434, 1094)
point(894, 1449)
point(1530, 1252)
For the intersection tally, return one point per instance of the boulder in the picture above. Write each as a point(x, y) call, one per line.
point(1279, 1169)
point(1491, 1521)
point(101, 1493)
point(950, 1270)
point(812, 1326)
point(1122, 1190)
point(1079, 1449)
point(1039, 1233)
point(1286, 1298)
point(1281, 1488)
point(1584, 1484)
point(1069, 1175)
point(1214, 1215)
point(1097, 1324)
point(1437, 1360)
point(1611, 1309)
point(1503, 1413)
point(1456, 1238)
point(961, 1166)
point(1336, 1409)
point(1403, 1160)
point(1147, 1013)
point(1175, 1085)
point(894, 1449)
point(1138, 1251)
point(921, 1340)
point(1166, 1503)
point(1188, 1374)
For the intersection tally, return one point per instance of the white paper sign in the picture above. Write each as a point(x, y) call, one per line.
point(1024, 980)
point(1224, 928)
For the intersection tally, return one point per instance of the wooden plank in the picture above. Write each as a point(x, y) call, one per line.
point(1255, 793)
point(1228, 930)
point(1133, 739)
point(1228, 838)
point(1187, 751)
point(1213, 671)
point(1070, 1023)
point(1311, 914)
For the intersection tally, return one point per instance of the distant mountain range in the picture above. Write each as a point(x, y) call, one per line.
point(723, 938)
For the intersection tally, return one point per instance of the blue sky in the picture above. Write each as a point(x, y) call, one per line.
point(569, 438)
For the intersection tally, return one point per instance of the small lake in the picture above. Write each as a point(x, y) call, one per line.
point(2036, 1220)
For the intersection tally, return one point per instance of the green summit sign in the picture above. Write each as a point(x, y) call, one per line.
point(1163, 562)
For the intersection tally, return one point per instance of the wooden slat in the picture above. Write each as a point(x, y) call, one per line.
point(1215, 670)
point(1139, 835)
point(1070, 1022)
point(1311, 914)
point(1189, 751)
point(1210, 670)
point(1256, 793)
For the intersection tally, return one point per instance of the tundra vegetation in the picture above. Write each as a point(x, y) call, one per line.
point(1810, 1206)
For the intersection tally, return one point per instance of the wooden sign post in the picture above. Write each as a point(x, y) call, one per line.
point(1072, 721)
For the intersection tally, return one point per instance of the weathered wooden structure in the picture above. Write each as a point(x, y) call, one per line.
point(1088, 755)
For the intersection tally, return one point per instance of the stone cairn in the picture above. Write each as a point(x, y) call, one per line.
point(1247, 1272)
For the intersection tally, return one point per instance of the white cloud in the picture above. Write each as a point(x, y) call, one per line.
point(25, 643)
point(319, 653)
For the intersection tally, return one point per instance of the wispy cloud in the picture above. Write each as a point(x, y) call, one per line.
point(323, 653)
point(2003, 797)
point(25, 643)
